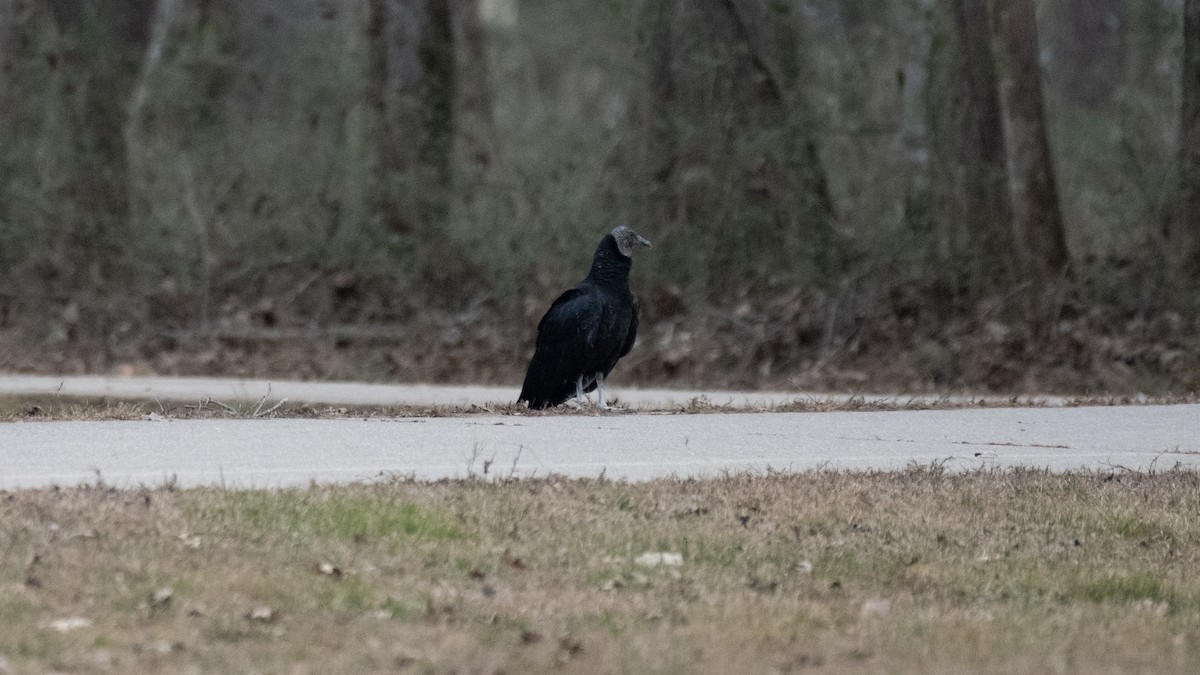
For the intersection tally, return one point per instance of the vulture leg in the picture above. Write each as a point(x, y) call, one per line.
point(579, 389)
point(600, 388)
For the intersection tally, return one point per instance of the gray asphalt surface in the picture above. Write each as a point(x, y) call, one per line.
point(355, 394)
point(272, 453)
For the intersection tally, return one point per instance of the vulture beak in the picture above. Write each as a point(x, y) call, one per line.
point(642, 241)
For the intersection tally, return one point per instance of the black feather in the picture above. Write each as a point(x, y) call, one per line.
point(584, 332)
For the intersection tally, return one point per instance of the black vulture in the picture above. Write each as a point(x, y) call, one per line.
point(587, 329)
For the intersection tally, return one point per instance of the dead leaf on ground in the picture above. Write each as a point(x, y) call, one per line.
point(570, 646)
point(512, 561)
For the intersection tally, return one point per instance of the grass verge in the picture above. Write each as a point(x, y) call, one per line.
point(910, 572)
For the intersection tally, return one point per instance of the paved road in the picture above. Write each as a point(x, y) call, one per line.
point(347, 393)
point(268, 453)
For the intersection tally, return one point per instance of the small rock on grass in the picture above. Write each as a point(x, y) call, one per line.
point(102, 658)
point(329, 570)
point(659, 558)
point(159, 647)
point(261, 613)
point(876, 607)
point(66, 624)
point(161, 597)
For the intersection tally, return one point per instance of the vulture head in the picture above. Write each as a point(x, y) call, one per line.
point(627, 239)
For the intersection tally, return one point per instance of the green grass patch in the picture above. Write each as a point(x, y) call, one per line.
point(1122, 587)
point(333, 515)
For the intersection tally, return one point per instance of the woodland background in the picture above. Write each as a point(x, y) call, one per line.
point(906, 195)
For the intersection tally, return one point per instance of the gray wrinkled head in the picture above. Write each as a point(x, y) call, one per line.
point(627, 239)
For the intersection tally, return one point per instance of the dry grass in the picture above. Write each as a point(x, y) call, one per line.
point(70, 408)
point(911, 572)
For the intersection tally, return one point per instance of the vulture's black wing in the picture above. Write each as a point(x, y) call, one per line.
point(631, 336)
point(567, 335)
point(618, 332)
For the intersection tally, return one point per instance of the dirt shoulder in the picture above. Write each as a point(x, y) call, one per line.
point(783, 343)
point(57, 407)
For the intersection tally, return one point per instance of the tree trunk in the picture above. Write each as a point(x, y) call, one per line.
point(98, 48)
point(412, 91)
point(730, 156)
point(439, 108)
point(1033, 195)
point(383, 207)
point(165, 19)
point(18, 51)
point(475, 128)
point(1086, 39)
point(1185, 233)
point(8, 37)
point(914, 143)
point(15, 53)
point(985, 207)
